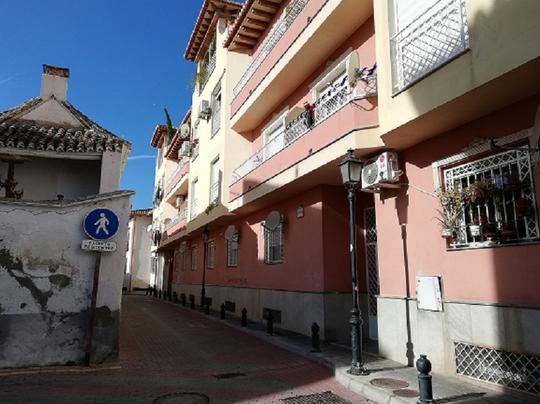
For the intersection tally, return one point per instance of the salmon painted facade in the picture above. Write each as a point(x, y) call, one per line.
point(441, 104)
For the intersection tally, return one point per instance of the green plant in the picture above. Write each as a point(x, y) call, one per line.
point(479, 191)
point(451, 211)
point(198, 77)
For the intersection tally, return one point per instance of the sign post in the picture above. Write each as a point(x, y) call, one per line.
point(100, 225)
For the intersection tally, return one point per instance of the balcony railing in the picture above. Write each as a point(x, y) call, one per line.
point(216, 118)
point(215, 189)
point(181, 164)
point(195, 152)
point(434, 38)
point(327, 105)
point(273, 37)
point(181, 216)
point(193, 209)
point(207, 72)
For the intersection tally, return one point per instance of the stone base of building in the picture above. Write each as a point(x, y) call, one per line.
point(293, 311)
point(472, 339)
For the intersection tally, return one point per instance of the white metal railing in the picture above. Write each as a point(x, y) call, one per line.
point(273, 37)
point(214, 192)
point(216, 118)
point(332, 100)
point(193, 209)
point(179, 167)
point(195, 152)
point(208, 70)
point(433, 38)
point(182, 215)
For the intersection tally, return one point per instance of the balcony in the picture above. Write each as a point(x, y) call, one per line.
point(177, 223)
point(207, 71)
point(176, 177)
point(323, 109)
point(193, 210)
point(434, 38)
point(215, 191)
point(295, 46)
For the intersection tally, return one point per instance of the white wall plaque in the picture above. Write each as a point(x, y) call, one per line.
point(428, 293)
point(97, 245)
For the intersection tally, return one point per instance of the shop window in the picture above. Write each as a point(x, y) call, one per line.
point(497, 198)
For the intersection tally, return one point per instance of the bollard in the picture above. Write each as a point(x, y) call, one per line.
point(244, 317)
point(170, 296)
point(207, 306)
point(423, 365)
point(183, 299)
point(192, 301)
point(155, 292)
point(222, 311)
point(147, 291)
point(315, 338)
point(159, 294)
point(270, 323)
point(175, 297)
point(164, 295)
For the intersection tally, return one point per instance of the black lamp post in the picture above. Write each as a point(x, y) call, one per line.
point(351, 173)
point(205, 234)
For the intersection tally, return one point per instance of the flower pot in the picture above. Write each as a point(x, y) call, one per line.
point(447, 233)
point(475, 230)
point(522, 207)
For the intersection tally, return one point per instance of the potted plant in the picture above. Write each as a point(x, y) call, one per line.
point(479, 191)
point(451, 211)
point(475, 228)
point(490, 230)
point(507, 231)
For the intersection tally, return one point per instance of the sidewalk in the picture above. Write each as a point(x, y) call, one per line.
point(446, 389)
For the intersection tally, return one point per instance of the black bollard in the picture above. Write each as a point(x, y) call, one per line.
point(222, 311)
point(192, 301)
point(315, 338)
point(207, 306)
point(183, 299)
point(155, 292)
point(147, 291)
point(244, 317)
point(170, 296)
point(175, 297)
point(164, 295)
point(423, 365)
point(270, 323)
point(159, 294)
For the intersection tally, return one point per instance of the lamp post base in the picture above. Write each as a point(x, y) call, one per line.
point(358, 370)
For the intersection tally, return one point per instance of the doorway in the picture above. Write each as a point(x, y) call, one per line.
point(372, 269)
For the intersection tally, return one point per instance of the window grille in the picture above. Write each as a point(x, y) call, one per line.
point(510, 369)
point(216, 112)
point(194, 258)
point(232, 252)
point(210, 254)
point(273, 245)
point(507, 211)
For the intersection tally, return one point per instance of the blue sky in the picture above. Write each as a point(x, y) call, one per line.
point(125, 59)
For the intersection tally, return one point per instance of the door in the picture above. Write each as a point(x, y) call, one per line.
point(372, 269)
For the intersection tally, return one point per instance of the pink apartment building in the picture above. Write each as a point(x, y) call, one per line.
point(444, 88)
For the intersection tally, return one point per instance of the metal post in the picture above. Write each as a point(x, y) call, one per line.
point(357, 363)
point(191, 301)
point(207, 306)
point(425, 387)
point(92, 313)
point(244, 317)
point(270, 323)
point(203, 291)
point(222, 311)
point(315, 338)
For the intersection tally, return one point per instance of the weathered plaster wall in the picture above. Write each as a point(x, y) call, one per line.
point(45, 178)
point(45, 283)
point(140, 252)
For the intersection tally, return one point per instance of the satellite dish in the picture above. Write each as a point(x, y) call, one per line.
point(184, 131)
point(273, 220)
point(352, 65)
point(230, 233)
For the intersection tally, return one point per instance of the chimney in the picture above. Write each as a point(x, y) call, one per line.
point(54, 82)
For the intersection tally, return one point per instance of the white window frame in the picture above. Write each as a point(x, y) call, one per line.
point(347, 64)
point(216, 110)
point(232, 252)
point(215, 178)
point(193, 201)
point(211, 254)
point(193, 253)
point(275, 125)
point(273, 241)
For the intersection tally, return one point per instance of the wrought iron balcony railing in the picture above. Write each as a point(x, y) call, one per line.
point(207, 72)
point(273, 37)
point(215, 189)
point(434, 38)
point(329, 103)
point(193, 209)
point(181, 164)
point(182, 215)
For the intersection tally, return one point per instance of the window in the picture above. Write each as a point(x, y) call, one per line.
point(194, 258)
point(425, 35)
point(216, 109)
point(210, 254)
point(274, 137)
point(215, 182)
point(499, 199)
point(232, 251)
point(273, 245)
point(193, 207)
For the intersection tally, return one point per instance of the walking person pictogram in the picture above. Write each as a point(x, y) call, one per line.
point(102, 224)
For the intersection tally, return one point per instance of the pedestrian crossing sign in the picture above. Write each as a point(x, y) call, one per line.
point(101, 224)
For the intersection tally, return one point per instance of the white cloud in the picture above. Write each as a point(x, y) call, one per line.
point(142, 157)
point(7, 79)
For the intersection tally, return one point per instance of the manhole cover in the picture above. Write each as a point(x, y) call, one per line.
point(228, 375)
point(182, 398)
point(321, 398)
point(406, 393)
point(387, 383)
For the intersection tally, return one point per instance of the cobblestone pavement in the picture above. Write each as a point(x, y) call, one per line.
point(168, 349)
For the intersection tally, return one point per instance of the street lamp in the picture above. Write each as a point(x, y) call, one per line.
point(351, 173)
point(205, 234)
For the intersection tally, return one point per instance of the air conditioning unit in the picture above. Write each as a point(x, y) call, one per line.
point(381, 171)
point(185, 149)
point(180, 200)
point(204, 109)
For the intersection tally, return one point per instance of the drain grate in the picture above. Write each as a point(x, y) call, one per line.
point(182, 398)
point(406, 393)
point(326, 397)
point(228, 375)
point(387, 383)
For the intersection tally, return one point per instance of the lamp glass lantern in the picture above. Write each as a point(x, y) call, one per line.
point(351, 170)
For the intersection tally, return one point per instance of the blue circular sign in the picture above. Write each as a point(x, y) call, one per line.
point(101, 224)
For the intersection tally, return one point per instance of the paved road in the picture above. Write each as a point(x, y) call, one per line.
point(168, 349)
